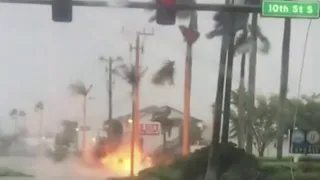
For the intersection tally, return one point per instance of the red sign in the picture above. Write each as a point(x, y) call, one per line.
point(149, 129)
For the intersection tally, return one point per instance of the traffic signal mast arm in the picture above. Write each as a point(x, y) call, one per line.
point(148, 5)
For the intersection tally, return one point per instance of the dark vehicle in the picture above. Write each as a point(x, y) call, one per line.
point(60, 153)
point(110, 142)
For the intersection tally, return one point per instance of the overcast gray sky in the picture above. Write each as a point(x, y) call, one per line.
point(39, 58)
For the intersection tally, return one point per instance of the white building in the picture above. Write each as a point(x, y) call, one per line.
point(151, 131)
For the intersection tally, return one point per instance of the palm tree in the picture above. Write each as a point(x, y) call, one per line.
point(39, 107)
point(283, 82)
point(14, 116)
point(223, 28)
point(166, 123)
point(127, 73)
point(238, 116)
point(166, 74)
point(243, 44)
point(23, 115)
point(80, 89)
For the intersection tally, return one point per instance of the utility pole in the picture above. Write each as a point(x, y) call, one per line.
point(110, 82)
point(135, 136)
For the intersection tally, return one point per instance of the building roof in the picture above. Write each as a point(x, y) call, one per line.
point(152, 109)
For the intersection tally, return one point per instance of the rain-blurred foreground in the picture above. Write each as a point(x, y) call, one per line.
point(43, 168)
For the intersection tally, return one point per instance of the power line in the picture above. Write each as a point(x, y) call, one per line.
point(299, 87)
point(301, 70)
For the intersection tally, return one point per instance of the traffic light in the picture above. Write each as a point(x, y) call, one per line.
point(166, 12)
point(62, 10)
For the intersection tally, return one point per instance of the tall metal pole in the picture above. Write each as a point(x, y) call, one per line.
point(110, 83)
point(110, 70)
point(135, 141)
point(149, 5)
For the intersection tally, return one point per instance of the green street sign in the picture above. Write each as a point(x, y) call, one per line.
point(292, 9)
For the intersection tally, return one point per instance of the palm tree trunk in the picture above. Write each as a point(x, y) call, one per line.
point(219, 96)
point(164, 139)
point(25, 124)
point(40, 126)
point(252, 83)
point(16, 124)
point(84, 124)
point(40, 132)
point(212, 171)
point(227, 94)
point(283, 83)
point(187, 89)
point(241, 108)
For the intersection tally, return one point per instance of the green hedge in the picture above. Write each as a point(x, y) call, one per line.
point(273, 159)
point(296, 175)
point(308, 158)
point(286, 166)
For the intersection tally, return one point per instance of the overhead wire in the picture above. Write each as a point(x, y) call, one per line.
point(299, 88)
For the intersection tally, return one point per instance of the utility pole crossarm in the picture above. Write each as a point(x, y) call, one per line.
point(148, 5)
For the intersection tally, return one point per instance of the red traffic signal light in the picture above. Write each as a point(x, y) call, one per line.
point(62, 10)
point(168, 2)
point(166, 12)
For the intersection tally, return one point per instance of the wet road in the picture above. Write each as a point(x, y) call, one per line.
point(44, 169)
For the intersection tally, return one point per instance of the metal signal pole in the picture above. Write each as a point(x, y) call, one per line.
point(148, 5)
point(135, 136)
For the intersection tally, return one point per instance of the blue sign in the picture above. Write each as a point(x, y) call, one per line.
point(304, 142)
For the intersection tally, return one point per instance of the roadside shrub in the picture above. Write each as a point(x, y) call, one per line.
point(228, 156)
point(309, 158)
point(309, 167)
point(272, 168)
point(275, 167)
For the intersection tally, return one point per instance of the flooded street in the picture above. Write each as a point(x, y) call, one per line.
point(45, 169)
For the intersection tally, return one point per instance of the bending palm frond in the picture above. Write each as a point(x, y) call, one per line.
point(245, 45)
point(39, 106)
point(127, 73)
point(13, 112)
point(223, 23)
point(165, 74)
point(265, 43)
point(78, 88)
